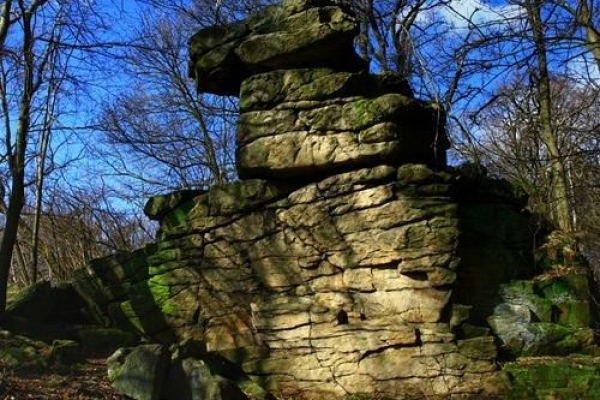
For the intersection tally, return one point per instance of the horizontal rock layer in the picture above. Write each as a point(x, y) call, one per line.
point(303, 123)
point(331, 268)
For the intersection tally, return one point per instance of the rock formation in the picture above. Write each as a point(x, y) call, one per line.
point(329, 269)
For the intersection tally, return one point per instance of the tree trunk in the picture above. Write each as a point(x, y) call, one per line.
point(584, 17)
point(39, 186)
point(17, 163)
point(558, 184)
point(4, 23)
point(13, 216)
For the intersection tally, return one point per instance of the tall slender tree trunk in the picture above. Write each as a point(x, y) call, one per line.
point(558, 184)
point(17, 164)
point(20, 259)
point(584, 17)
point(16, 202)
point(39, 178)
point(4, 23)
point(13, 215)
point(39, 187)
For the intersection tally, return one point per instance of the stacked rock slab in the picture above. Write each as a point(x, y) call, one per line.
point(308, 106)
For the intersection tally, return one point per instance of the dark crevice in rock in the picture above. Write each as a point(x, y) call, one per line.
point(379, 350)
point(342, 317)
point(416, 275)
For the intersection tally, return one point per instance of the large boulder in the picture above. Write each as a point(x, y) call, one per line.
point(43, 302)
point(295, 33)
point(549, 316)
point(496, 241)
point(339, 286)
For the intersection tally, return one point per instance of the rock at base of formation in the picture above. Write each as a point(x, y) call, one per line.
point(338, 287)
point(153, 372)
point(136, 372)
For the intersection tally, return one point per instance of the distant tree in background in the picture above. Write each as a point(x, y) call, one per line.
point(25, 62)
point(512, 146)
point(160, 133)
point(460, 54)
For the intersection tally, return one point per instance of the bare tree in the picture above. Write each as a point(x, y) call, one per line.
point(16, 148)
point(159, 131)
point(541, 77)
point(512, 145)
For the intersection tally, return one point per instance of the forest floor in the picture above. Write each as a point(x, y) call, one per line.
point(84, 381)
point(26, 378)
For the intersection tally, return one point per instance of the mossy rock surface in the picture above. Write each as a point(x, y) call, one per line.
point(564, 287)
point(548, 315)
point(224, 200)
point(555, 378)
point(17, 350)
point(158, 206)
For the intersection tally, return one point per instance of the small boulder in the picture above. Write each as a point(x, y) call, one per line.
point(65, 352)
point(139, 372)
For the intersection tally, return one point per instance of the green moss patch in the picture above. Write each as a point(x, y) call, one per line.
point(555, 378)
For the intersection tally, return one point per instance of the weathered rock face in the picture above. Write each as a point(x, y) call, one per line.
point(337, 287)
point(331, 268)
point(138, 372)
point(328, 117)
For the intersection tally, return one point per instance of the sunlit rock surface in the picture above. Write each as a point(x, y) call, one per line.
point(347, 260)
